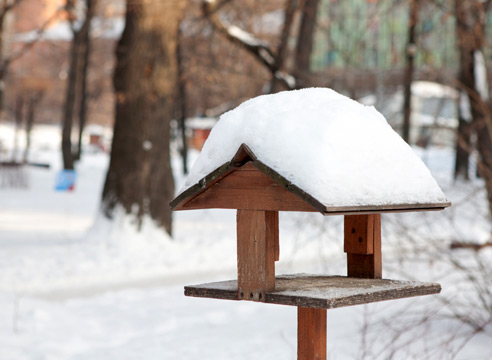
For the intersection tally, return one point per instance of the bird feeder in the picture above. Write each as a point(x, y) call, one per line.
point(258, 188)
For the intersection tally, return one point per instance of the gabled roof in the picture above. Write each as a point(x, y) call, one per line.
point(337, 155)
point(193, 197)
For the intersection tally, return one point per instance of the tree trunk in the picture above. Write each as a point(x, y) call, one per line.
point(84, 68)
point(463, 146)
point(181, 101)
point(31, 105)
point(19, 115)
point(291, 6)
point(407, 82)
point(470, 29)
point(305, 42)
point(139, 177)
point(69, 105)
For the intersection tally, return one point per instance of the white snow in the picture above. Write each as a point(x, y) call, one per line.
point(74, 286)
point(481, 82)
point(244, 36)
point(337, 150)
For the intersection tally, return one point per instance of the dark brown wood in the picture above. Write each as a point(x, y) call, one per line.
point(255, 255)
point(362, 243)
point(324, 292)
point(273, 232)
point(311, 334)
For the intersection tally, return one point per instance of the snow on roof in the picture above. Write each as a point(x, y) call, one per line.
point(335, 149)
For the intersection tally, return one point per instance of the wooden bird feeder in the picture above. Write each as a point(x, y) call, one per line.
point(258, 193)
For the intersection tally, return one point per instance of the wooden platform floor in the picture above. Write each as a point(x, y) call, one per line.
point(325, 292)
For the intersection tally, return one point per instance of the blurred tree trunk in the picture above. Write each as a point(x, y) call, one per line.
point(181, 100)
point(18, 119)
point(463, 139)
point(139, 178)
point(84, 69)
point(305, 42)
point(409, 71)
point(291, 6)
point(79, 53)
point(5, 7)
point(470, 29)
point(33, 100)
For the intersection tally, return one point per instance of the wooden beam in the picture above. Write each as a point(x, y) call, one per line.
point(311, 334)
point(362, 243)
point(255, 254)
point(273, 232)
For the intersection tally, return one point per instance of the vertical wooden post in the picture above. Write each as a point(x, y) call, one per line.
point(362, 243)
point(311, 334)
point(256, 249)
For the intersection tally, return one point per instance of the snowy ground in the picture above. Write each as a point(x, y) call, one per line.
point(75, 288)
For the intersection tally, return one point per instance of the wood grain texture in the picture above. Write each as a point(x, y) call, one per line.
point(255, 255)
point(273, 232)
point(358, 234)
point(362, 243)
point(250, 189)
point(311, 334)
point(324, 292)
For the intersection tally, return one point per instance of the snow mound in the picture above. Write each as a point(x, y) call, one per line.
point(335, 149)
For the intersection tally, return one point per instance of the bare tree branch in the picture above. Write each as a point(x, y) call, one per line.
point(255, 46)
point(5, 63)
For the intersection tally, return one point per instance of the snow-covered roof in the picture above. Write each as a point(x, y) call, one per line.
point(336, 150)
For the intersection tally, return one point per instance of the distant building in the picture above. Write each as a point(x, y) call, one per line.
point(370, 34)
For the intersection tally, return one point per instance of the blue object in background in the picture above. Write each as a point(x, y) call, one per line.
point(65, 180)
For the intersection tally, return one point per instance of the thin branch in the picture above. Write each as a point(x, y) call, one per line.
point(260, 49)
point(28, 46)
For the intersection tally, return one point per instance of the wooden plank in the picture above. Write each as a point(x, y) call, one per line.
point(273, 232)
point(324, 292)
point(362, 243)
point(358, 234)
point(249, 189)
point(255, 255)
point(311, 334)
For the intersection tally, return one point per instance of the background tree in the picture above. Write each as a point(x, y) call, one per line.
point(77, 78)
point(139, 178)
point(473, 83)
point(410, 58)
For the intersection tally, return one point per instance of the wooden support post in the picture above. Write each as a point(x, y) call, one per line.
point(256, 251)
point(272, 232)
point(362, 243)
point(311, 334)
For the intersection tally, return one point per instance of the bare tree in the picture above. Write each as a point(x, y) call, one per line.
point(76, 85)
point(305, 42)
point(139, 178)
point(5, 7)
point(259, 48)
point(410, 56)
point(472, 81)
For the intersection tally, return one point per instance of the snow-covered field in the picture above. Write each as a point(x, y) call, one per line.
point(75, 286)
